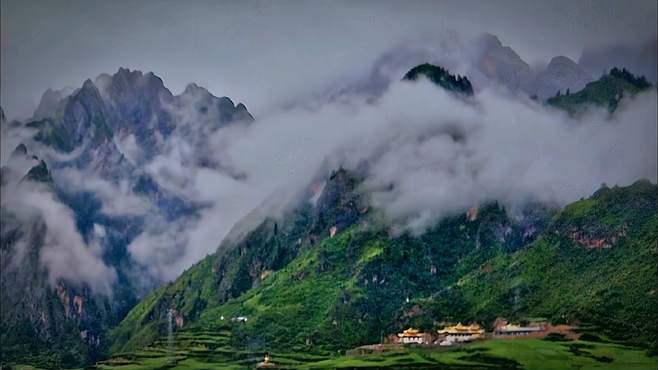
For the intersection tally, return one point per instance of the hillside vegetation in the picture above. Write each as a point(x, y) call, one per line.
point(592, 264)
point(606, 92)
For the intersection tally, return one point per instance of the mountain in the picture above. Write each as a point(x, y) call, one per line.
point(328, 274)
point(63, 322)
point(326, 269)
point(560, 74)
point(47, 326)
point(595, 263)
point(501, 63)
point(605, 92)
point(442, 78)
point(51, 102)
point(485, 60)
point(331, 277)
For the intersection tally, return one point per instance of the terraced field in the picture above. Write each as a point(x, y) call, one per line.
point(212, 350)
point(199, 350)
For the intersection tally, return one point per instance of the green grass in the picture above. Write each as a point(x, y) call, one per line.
point(526, 354)
point(529, 353)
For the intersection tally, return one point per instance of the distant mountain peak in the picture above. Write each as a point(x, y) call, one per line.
point(88, 85)
point(561, 60)
point(561, 73)
point(124, 86)
point(192, 87)
point(51, 101)
point(502, 63)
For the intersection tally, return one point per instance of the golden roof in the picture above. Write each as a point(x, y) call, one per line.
point(411, 332)
point(462, 329)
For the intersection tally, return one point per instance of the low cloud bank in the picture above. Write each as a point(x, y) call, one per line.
point(428, 154)
point(435, 155)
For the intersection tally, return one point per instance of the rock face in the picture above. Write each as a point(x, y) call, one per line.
point(51, 101)
point(66, 324)
point(53, 326)
point(502, 63)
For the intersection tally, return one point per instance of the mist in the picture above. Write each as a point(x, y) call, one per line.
point(440, 155)
point(49, 229)
point(428, 154)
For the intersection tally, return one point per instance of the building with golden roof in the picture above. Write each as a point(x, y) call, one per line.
point(461, 333)
point(412, 335)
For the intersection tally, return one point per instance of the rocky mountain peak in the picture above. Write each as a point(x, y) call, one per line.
point(561, 61)
point(502, 63)
point(50, 102)
point(491, 40)
point(561, 73)
point(193, 88)
point(208, 107)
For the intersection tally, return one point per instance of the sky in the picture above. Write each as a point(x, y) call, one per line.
point(263, 52)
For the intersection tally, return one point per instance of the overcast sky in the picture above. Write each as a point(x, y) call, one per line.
point(257, 52)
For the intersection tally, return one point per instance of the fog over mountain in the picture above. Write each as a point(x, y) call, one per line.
point(159, 162)
point(438, 153)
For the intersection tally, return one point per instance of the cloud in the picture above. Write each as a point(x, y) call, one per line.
point(428, 154)
point(512, 151)
point(62, 251)
point(118, 198)
point(439, 154)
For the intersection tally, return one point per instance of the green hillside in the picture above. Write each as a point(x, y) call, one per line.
point(593, 265)
point(605, 92)
point(300, 290)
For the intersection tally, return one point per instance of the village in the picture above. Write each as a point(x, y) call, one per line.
point(454, 335)
point(451, 334)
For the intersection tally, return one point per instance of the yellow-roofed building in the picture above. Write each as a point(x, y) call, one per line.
point(461, 333)
point(412, 335)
